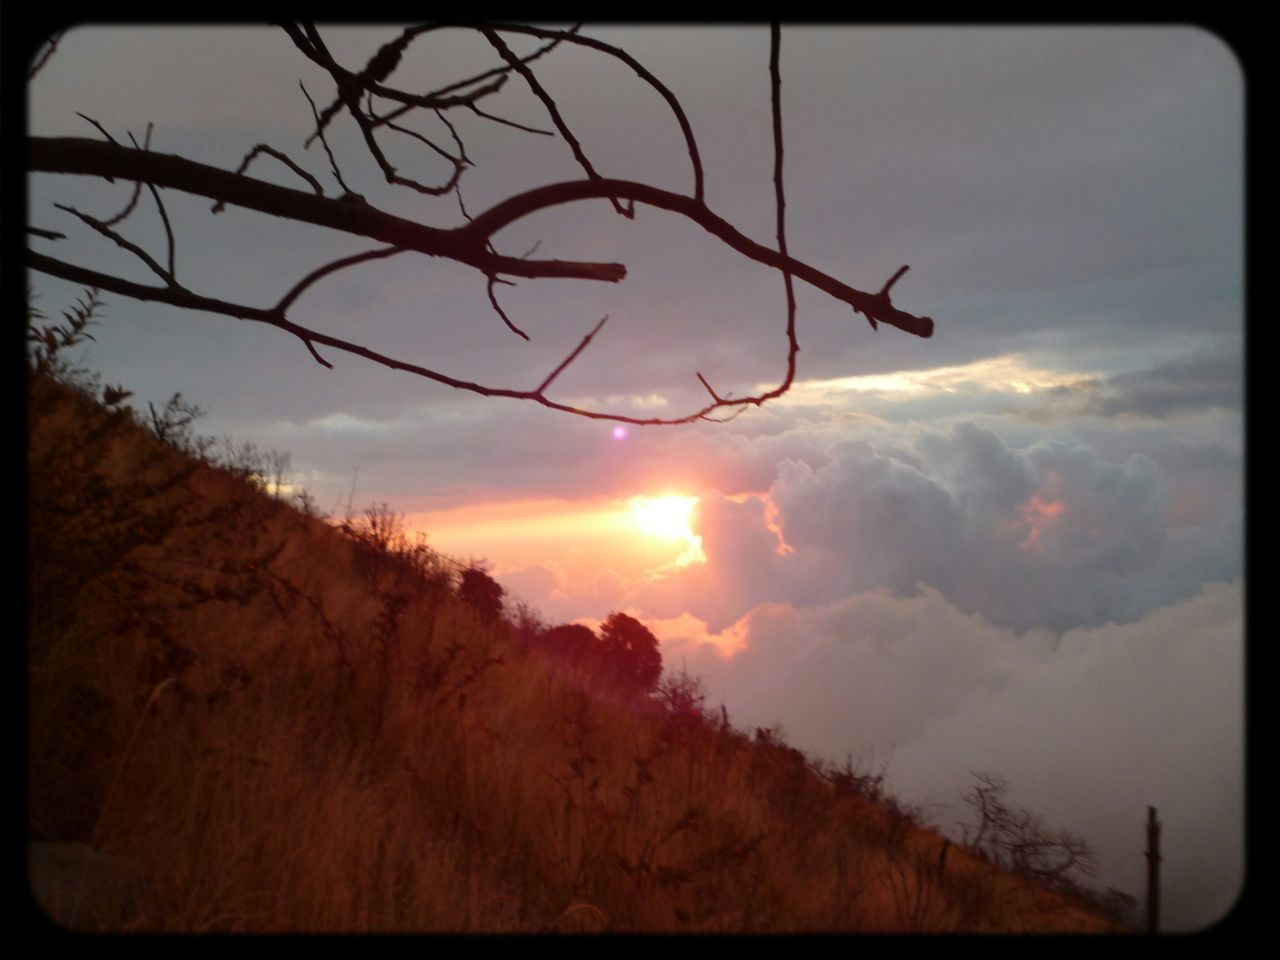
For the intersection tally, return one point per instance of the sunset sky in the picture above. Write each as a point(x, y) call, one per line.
point(1015, 547)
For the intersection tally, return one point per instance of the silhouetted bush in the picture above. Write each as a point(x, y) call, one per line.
point(572, 643)
point(632, 661)
point(1017, 839)
point(684, 695)
point(481, 592)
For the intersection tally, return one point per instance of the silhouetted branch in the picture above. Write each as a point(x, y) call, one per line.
point(502, 313)
point(509, 123)
point(1015, 838)
point(283, 158)
point(164, 215)
point(287, 300)
point(497, 71)
point(470, 243)
point(333, 163)
point(101, 128)
point(552, 110)
point(775, 99)
point(51, 45)
point(137, 190)
point(462, 149)
point(571, 357)
point(714, 396)
point(572, 37)
point(120, 241)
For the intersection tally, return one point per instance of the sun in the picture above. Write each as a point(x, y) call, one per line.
point(664, 517)
point(668, 518)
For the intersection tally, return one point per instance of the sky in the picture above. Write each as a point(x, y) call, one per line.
point(1016, 547)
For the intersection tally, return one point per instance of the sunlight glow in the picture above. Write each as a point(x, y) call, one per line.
point(1037, 514)
point(667, 518)
point(1008, 373)
point(643, 537)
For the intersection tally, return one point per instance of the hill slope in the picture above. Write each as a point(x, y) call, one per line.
point(282, 726)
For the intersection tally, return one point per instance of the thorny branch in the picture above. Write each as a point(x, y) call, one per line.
point(471, 243)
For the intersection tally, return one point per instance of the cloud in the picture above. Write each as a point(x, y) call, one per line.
point(1207, 379)
point(1048, 535)
point(1048, 532)
point(1088, 726)
point(1119, 717)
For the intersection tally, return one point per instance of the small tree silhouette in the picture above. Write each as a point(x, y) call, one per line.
point(481, 592)
point(683, 694)
point(632, 661)
point(572, 643)
point(1014, 837)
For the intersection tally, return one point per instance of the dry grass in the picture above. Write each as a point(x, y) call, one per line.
point(290, 733)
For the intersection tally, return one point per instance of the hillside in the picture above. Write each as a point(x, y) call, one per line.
point(262, 722)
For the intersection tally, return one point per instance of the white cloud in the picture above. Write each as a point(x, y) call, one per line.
point(1088, 728)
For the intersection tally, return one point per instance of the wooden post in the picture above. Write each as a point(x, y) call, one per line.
point(1153, 871)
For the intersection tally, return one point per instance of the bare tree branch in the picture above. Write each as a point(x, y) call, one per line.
point(571, 357)
point(283, 158)
point(119, 241)
point(465, 243)
point(164, 215)
point(572, 37)
point(101, 128)
point(301, 286)
point(472, 242)
point(509, 123)
point(51, 45)
point(775, 97)
point(333, 163)
point(523, 69)
point(502, 313)
point(137, 190)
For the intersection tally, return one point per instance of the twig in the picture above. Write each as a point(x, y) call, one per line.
point(509, 123)
point(120, 241)
point(137, 187)
point(775, 90)
point(52, 45)
point(101, 128)
point(571, 36)
point(571, 357)
point(283, 158)
point(552, 110)
point(496, 306)
point(298, 288)
point(462, 150)
point(164, 216)
point(333, 164)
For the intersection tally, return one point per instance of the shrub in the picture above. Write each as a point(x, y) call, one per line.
point(632, 661)
point(481, 592)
